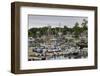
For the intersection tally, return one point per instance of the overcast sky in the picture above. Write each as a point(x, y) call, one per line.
point(54, 21)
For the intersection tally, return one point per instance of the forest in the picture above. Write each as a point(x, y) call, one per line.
point(76, 30)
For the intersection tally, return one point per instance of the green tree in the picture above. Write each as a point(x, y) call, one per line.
point(84, 24)
point(76, 30)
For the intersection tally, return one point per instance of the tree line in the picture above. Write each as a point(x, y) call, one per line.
point(76, 30)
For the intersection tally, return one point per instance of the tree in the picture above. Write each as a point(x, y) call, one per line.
point(84, 24)
point(30, 34)
point(65, 30)
point(76, 30)
point(76, 25)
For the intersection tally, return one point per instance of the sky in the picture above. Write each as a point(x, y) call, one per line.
point(36, 21)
